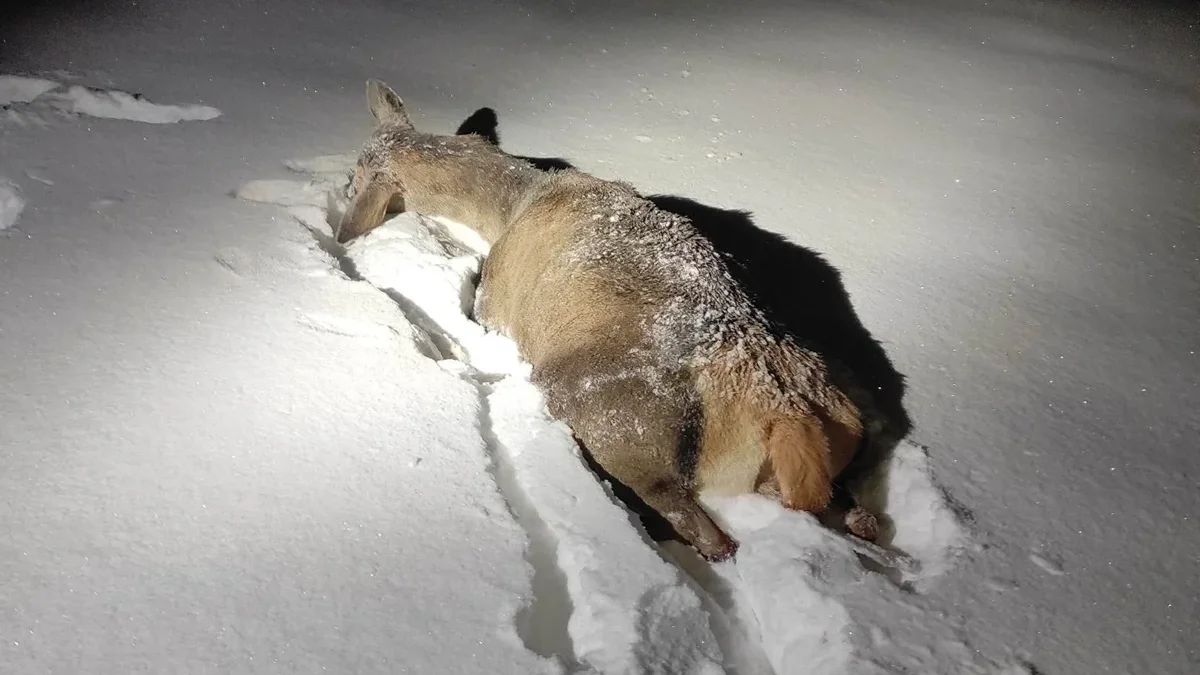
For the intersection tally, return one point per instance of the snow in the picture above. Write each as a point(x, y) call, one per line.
point(18, 89)
point(119, 105)
point(104, 103)
point(924, 523)
point(230, 445)
point(40, 95)
point(11, 204)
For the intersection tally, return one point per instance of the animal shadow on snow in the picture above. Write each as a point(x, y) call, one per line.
point(803, 295)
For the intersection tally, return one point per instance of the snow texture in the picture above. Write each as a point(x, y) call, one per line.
point(230, 445)
point(11, 204)
point(17, 89)
point(119, 105)
point(103, 103)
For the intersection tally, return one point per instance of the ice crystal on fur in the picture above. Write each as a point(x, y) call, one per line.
point(706, 316)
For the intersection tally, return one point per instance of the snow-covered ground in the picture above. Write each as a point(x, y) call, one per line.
point(229, 445)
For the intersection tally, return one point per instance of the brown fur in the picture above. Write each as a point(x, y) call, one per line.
point(638, 336)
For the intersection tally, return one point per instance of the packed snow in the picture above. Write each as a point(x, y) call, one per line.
point(231, 445)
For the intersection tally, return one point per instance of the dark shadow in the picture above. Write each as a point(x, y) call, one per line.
point(804, 297)
point(33, 22)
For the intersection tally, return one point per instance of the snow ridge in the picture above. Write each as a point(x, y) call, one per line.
point(27, 99)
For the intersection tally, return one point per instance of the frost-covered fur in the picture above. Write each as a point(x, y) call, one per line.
point(638, 335)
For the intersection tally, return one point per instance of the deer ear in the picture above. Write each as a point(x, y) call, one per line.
point(386, 106)
point(482, 122)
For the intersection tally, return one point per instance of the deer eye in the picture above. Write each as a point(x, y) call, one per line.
point(356, 182)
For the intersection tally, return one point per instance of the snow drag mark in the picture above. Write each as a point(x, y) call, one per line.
point(730, 615)
point(11, 204)
point(372, 332)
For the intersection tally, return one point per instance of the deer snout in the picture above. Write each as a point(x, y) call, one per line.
point(366, 211)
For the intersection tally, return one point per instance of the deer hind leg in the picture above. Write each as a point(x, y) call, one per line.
point(664, 492)
point(648, 464)
point(636, 432)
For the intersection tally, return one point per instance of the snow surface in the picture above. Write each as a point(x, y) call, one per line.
point(41, 94)
point(11, 203)
point(228, 445)
point(119, 105)
point(18, 89)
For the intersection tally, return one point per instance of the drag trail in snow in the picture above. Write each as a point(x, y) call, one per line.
point(606, 598)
